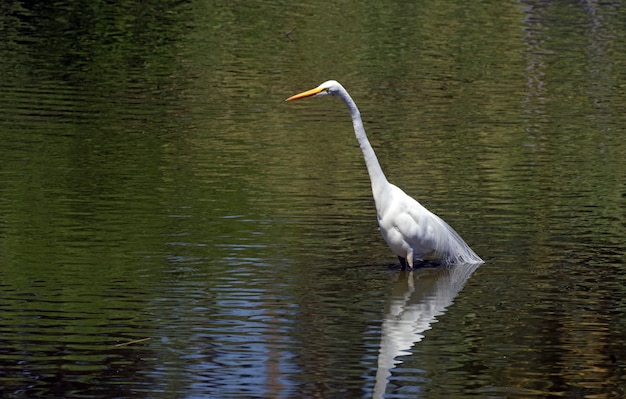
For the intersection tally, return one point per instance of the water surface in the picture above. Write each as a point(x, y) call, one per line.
point(170, 227)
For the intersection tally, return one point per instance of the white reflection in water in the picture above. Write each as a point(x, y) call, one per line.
point(417, 298)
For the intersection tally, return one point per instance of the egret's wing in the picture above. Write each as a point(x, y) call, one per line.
point(441, 239)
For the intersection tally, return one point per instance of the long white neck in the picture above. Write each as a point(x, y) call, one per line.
point(377, 177)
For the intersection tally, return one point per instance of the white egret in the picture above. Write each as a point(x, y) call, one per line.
point(412, 232)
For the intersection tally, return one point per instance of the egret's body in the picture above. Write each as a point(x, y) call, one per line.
point(412, 232)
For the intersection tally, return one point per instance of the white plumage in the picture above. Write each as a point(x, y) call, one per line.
point(412, 232)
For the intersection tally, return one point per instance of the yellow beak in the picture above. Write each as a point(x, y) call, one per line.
point(305, 94)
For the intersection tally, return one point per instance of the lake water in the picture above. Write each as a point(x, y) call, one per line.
point(171, 228)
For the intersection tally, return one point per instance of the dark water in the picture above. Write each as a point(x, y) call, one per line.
point(169, 227)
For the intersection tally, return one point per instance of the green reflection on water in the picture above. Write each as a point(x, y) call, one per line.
point(154, 184)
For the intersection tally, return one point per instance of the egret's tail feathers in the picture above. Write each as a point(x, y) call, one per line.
point(452, 248)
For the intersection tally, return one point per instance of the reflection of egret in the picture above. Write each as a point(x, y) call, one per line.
point(411, 231)
point(415, 302)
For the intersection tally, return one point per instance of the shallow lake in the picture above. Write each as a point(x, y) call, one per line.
point(171, 228)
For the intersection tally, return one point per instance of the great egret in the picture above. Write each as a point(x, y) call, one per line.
point(412, 232)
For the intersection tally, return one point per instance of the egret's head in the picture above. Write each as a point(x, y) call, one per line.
point(331, 87)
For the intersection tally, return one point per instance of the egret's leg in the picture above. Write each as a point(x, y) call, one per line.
point(409, 259)
point(402, 262)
